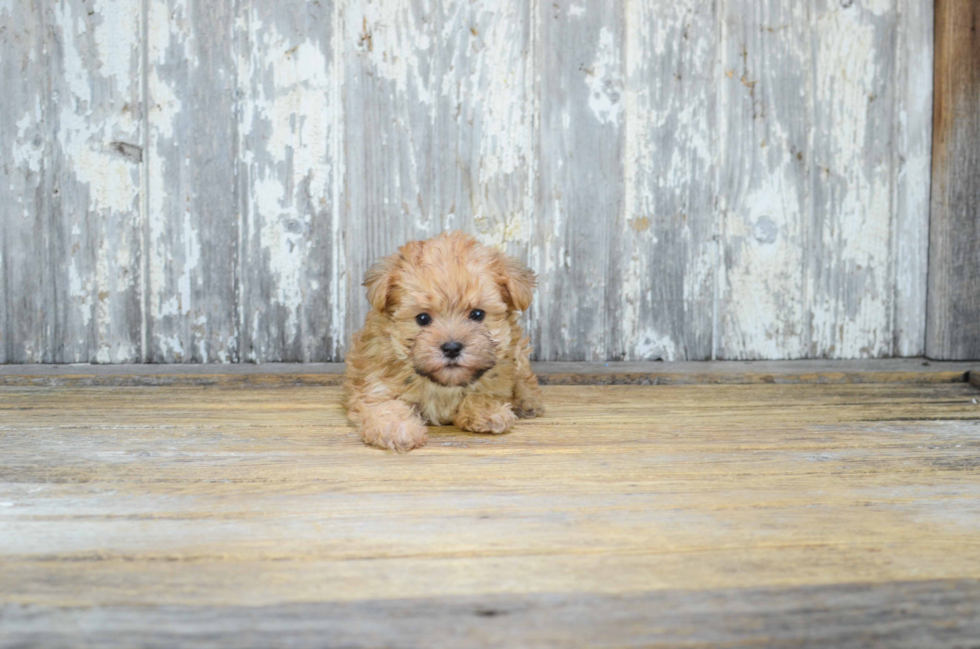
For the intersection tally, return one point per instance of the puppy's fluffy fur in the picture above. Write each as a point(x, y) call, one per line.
point(401, 375)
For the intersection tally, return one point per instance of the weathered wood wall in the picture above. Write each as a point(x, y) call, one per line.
point(953, 323)
point(207, 180)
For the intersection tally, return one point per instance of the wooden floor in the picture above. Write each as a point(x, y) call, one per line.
point(839, 515)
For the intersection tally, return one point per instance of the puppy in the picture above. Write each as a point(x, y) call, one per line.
point(441, 344)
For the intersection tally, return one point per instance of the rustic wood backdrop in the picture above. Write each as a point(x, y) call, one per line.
point(207, 180)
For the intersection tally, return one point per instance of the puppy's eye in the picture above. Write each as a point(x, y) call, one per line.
point(477, 315)
point(423, 319)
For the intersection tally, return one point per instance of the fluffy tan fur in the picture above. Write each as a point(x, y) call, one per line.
point(399, 378)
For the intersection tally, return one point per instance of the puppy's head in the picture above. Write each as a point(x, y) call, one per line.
point(448, 303)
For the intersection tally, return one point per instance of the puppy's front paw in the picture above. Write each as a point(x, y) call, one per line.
point(396, 434)
point(528, 408)
point(496, 418)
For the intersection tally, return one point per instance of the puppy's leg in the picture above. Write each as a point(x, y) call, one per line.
point(389, 424)
point(527, 398)
point(527, 394)
point(481, 413)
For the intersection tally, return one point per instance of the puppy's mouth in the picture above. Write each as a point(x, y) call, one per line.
point(454, 374)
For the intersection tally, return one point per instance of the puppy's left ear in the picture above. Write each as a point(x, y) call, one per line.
point(517, 283)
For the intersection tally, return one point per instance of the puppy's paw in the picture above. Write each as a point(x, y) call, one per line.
point(495, 419)
point(396, 434)
point(528, 408)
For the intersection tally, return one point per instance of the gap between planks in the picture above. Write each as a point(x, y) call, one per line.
point(903, 370)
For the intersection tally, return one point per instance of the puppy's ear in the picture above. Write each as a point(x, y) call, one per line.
point(517, 283)
point(380, 282)
point(382, 278)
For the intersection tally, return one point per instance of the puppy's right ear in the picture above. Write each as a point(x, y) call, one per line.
point(380, 282)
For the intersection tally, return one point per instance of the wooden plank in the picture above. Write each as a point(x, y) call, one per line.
point(549, 373)
point(185, 369)
point(849, 244)
point(580, 189)
point(438, 124)
point(94, 166)
point(288, 131)
point(71, 183)
point(912, 614)
point(764, 120)
point(25, 148)
point(823, 248)
point(766, 514)
point(912, 159)
point(191, 237)
point(953, 329)
point(299, 377)
point(752, 372)
point(665, 245)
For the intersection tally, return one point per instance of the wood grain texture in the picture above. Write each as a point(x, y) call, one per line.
point(912, 153)
point(849, 246)
point(823, 248)
point(288, 131)
point(763, 187)
point(737, 180)
point(192, 229)
point(94, 122)
point(666, 247)
point(581, 74)
point(25, 147)
point(71, 182)
point(752, 372)
point(438, 124)
point(549, 373)
point(953, 329)
point(910, 614)
point(814, 506)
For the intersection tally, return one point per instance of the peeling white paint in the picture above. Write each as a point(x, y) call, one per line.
point(29, 150)
point(96, 109)
point(533, 103)
point(192, 257)
point(113, 181)
point(165, 103)
point(338, 258)
point(81, 291)
point(669, 153)
point(389, 33)
point(170, 346)
point(651, 345)
point(467, 77)
point(165, 303)
point(497, 90)
point(290, 169)
point(116, 21)
point(846, 323)
point(499, 232)
point(912, 155)
point(499, 78)
point(767, 278)
point(605, 80)
point(763, 199)
point(876, 7)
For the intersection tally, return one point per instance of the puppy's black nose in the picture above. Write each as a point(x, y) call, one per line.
point(452, 349)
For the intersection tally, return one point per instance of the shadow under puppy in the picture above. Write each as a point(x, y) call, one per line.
point(442, 344)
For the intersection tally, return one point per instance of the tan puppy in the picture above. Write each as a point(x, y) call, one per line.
point(441, 344)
